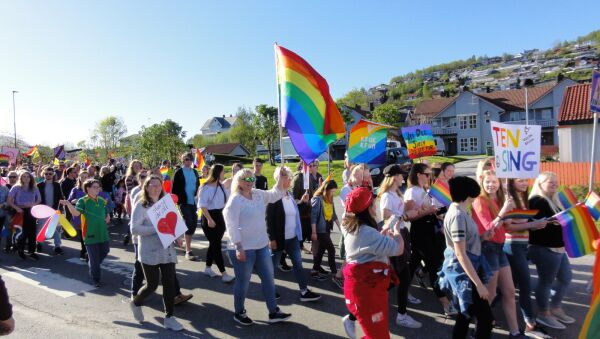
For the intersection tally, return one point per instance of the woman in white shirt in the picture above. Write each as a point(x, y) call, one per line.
point(248, 241)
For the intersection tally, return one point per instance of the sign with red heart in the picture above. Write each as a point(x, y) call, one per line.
point(167, 224)
point(166, 219)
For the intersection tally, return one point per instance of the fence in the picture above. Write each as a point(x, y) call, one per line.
point(572, 173)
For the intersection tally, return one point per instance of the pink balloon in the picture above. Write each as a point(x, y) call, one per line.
point(42, 211)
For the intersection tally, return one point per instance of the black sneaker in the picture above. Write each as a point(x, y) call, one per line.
point(242, 318)
point(59, 251)
point(38, 247)
point(308, 295)
point(277, 296)
point(126, 239)
point(284, 267)
point(34, 257)
point(22, 255)
point(317, 276)
point(278, 316)
point(322, 271)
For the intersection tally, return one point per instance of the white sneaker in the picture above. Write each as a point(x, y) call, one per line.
point(450, 310)
point(226, 278)
point(172, 324)
point(349, 327)
point(550, 321)
point(407, 321)
point(138, 314)
point(561, 316)
point(209, 272)
point(413, 300)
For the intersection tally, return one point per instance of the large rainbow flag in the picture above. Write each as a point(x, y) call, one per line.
point(578, 229)
point(307, 110)
point(367, 143)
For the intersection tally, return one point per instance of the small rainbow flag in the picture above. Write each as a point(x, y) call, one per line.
point(4, 160)
point(520, 214)
point(164, 171)
point(578, 229)
point(199, 159)
point(441, 192)
point(592, 202)
point(566, 197)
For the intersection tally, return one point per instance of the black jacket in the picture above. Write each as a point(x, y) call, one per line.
point(549, 236)
point(57, 193)
point(276, 223)
point(179, 186)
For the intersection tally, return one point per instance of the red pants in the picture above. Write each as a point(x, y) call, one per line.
point(366, 292)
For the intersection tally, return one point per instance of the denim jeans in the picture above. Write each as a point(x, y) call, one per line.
point(292, 247)
point(554, 270)
point(55, 236)
point(259, 259)
point(517, 257)
point(96, 254)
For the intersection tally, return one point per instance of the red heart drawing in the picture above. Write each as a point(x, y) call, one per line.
point(167, 224)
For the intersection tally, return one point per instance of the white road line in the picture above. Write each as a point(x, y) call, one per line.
point(50, 282)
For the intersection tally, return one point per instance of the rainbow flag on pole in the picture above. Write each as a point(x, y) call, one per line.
point(367, 143)
point(567, 198)
point(199, 159)
point(441, 192)
point(579, 230)
point(592, 202)
point(307, 110)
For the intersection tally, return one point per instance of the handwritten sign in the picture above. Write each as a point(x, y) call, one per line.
point(419, 141)
point(166, 220)
point(517, 150)
point(12, 153)
point(595, 97)
point(367, 143)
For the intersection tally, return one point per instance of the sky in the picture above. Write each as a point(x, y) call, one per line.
point(77, 62)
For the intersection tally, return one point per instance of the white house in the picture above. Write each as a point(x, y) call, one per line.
point(218, 125)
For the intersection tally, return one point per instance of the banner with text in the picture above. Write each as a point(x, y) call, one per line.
point(166, 220)
point(367, 143)
point(517, 150)
point(419, 141)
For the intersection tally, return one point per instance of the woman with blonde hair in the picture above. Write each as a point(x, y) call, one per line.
point(248, 248)
point(547, 252)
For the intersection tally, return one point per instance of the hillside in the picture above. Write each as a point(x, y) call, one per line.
point(569, 59)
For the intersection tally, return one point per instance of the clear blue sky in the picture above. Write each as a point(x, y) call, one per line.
point(76, 62)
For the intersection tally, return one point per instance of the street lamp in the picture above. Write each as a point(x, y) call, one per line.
point(14, 117)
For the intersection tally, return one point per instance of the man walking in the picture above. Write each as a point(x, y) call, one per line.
point(51, 194)
point(185, 185)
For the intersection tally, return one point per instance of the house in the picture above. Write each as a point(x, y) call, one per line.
point(575, 125)
point(235, 149)
point(464, 121)
point(218, 125)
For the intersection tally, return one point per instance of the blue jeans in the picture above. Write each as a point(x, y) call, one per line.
point(554, 270)
point(292, 247)
point(55, 236)
point(519, 265)
point(96, 254)
point(259, 259)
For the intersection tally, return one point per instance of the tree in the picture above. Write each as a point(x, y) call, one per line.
point(356, 97)
point(426, 92)
point(242, 131)
point(108, 133)
point(387, 114)
point(162, 141)
point(266, 126)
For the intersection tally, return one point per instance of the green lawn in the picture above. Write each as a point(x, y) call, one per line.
point(451, 158)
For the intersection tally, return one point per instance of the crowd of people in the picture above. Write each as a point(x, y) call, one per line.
point(473, 257)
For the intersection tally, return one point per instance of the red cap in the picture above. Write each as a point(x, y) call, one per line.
point(359, 199)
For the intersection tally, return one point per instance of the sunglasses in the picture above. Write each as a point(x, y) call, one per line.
point(427, 174)
point(249, 179)
point(12, 177)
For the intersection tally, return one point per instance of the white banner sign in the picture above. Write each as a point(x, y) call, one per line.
point(167, 221)
point(517, 150)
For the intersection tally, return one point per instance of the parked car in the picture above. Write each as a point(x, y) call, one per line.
point(396, 155)
point(440, 146)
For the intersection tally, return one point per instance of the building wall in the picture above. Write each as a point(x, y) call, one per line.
point(239, 151)
point(572, 138)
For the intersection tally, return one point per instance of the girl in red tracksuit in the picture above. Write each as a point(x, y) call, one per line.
point(367, 273)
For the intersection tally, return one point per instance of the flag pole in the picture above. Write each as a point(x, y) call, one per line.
point(592, 157)
point(279, 106)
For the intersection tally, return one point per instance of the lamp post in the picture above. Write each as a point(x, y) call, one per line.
point(14, 117)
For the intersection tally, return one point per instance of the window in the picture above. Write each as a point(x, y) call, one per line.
point(469, 145)
point(464, 145)
point(473, 144)
point(467, 121)
point(488, 143)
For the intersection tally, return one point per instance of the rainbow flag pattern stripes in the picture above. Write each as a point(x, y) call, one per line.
point(367, 143)
point(567, 198)
point(592, 202)
point(164, 171)
point(307, 110)
point(591, 325)
point(520, 214)
point(441, 192)
point(199, 159)
point(579, 230)
point(4, 160)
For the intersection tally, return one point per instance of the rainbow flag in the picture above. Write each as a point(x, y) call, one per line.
point(520, 214)
point(367, 144)
point(308, 112)
point(567, 198)
point(578, 229)
point(592, 202)
point(441, 192)
point(4, 159)
point(34, 153)
point(164, 171)
point(591, 325)
point(199, 159)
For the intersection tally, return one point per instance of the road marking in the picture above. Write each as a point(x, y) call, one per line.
point(120, 268)
point(50, 282)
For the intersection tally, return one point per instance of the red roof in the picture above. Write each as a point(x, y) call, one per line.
point(514, 99)
point(222, 148)
point(575, 107)
point(432, 107)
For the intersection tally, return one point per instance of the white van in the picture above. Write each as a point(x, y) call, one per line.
point(440, 145)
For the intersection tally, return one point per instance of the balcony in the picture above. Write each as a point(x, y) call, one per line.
point(543, 123)
point(443, 130)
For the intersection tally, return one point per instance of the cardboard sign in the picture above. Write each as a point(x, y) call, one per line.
point(595, 95)
point(12, 153)
point(419, 141)
point(517, 150)
point(367, 144)
point(167, 221)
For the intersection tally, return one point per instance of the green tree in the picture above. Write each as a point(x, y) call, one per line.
point(107, 134)
point(159, 142)
point(426, 92)
point(355, 97)
point(387, 114)
point(242, 131)
point(266, 126)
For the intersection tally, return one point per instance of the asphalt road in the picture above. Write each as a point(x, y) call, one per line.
point(52, 298)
